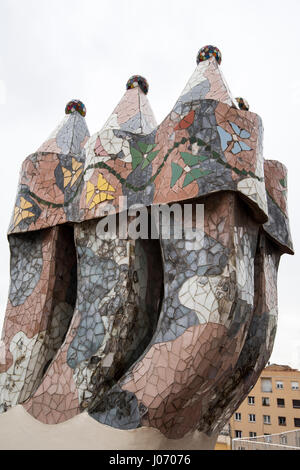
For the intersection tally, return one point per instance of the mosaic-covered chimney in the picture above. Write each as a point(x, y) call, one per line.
point(151, 331)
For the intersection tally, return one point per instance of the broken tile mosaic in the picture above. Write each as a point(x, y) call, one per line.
point(146, 332)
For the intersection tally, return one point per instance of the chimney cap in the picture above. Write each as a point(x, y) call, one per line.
point(206, 52)
point(138, 80)
point(75, 105)
point(243, 104)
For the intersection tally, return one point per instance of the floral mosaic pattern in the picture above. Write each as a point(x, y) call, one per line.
point(21, 212)
point(234, 141)
point(146, 332)
point(98, 194)
point(71, 176)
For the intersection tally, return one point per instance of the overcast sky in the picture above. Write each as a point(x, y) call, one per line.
point(54, 50)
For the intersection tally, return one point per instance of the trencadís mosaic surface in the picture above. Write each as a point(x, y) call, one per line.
point(146, 332)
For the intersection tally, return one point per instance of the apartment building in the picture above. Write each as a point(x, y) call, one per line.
point(272, 406)
point(224, 439)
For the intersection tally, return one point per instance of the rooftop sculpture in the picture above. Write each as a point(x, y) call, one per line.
point(146, 332)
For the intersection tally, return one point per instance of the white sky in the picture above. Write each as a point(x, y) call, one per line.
point(54, 50)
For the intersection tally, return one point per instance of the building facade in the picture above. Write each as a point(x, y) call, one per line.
point(224, 439)
point(272, 406)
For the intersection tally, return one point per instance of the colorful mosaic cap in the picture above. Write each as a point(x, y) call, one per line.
point(75, 105)
point(243, 104)
point(209, 51)
point(138, 80)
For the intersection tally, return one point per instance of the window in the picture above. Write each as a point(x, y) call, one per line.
point(282, 420)
point(238, 434)
point(267, 419)
point(265, 401)
point(283, 439)
point(297, 422)
point(252, 434)
point(268, 438)
point(251, 418)
point(251, 400)
point(296, 403)
point(280, 402)
point(279, 384)
point(238, 416)
point(266, 385)
point(295, 385)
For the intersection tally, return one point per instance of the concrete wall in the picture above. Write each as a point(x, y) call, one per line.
point(19, 430)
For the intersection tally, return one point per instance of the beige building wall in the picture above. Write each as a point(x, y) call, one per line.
point(223, 443)
point(280, 416)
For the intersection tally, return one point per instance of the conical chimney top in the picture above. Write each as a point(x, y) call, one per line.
point(207, 82)
point(132, 114)
point(70, 136)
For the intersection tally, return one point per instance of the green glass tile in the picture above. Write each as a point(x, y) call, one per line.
point(176, 173)
point(216, 155)
point(283, 182)
point(152, 155)
point(145, 148)
point(137, 157)
point(198, 173)
point(191, 160)
point(188, 179)
point(149, 158)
